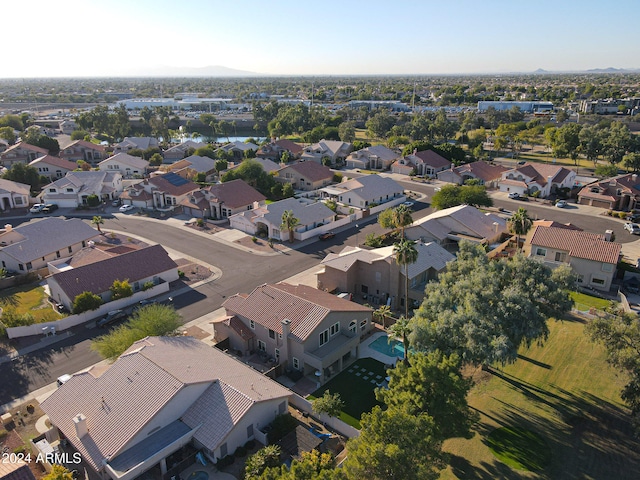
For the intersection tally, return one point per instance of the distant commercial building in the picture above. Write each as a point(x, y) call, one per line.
point(526, 107)
point(610, 106)
point(392, 105)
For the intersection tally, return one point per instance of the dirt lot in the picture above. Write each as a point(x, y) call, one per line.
point(15, 436)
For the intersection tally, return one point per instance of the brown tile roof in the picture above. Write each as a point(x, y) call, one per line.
point(482, 170)
point(98, 277)
point(167, 183)
point(235, 194)
point(55, 161)
point(553, 223)
point(433, 159)
point(304, 306)
point(540, 172)
point(85, 144)
point(589, 246)
point(26, 146)
point(290, 145)
point(312, 171)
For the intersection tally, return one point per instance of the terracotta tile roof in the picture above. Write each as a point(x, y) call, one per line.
point(86, 145)
point(235, 194)
point(589, 246)
point(433, 159)
point(168, 183)
point(553, 223)
point(98, 277)
point(55, 161)
point(290, 145)
point(304, 306)
point(310, 170)
point(481, 170)
point(26, 146)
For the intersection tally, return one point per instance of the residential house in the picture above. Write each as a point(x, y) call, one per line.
point(16, 469)
point(193, 165)
point(302, 328)
point(239, 149)
point(180, 151)
point(449, 226)
point(426, 163)
point(53, 167)
point(67, 127)
point(305, 176)
point(160, 191)
point(223, 200)
point(32, 245)
point(530, 178)
point(593, 259)
point(13, 195)
point(21, 152)
point(83, 150)
point(135, 143)
point(159, 401)
point(485, 173)
point(617, 193)
point(377, 157)
point(376, 275)
point(333, 151)
point(151, 264)
point(274, 150)
point(75, 187)
point(365, 192)
point(267, 219)
point(127, 165)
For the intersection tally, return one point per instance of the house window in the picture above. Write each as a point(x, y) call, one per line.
point(541, 252)
point(378, 277)
point(335, 328)
point(597, 281)
point(262, 346)
point(580, 278)
point(18, 200)
point(607, 267)
point(352, 326)
point(223, 450)
point(252, 324)
point(84, 244)
point(52, 190)
point(272, 334)
point(29, 266)
point(561, 257)
point(69, 190)
point(70, 251)
point(296, 363)
point(324, 337)
point(363, 324)
point(21, 266)
point(277, 354)
point(250, 431)
point(58, 254)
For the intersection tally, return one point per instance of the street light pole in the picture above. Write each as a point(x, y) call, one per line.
point(357, 231)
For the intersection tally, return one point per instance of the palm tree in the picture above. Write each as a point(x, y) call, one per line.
point(405, 254)
point(382, 313)
point(401, 330)
point(97, 221)
point(519, 224)
point(289, 222)
point(402, 217)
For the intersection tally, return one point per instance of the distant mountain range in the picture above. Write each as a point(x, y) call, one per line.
point(208, 71)
point(593, 70)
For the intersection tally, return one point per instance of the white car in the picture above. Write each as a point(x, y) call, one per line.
point(408, 204)
point(37, 208)
point(632, 228)
point(514, 195)
point(561, 204)
point(126, 208)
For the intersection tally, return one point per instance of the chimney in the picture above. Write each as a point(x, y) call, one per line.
point(80, 422)
point(634, 177)
point(286, 329)
point(415, 150)
point(8, 227)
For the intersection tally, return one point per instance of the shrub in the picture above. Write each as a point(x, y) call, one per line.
point(622, 215)
point(120, 289)
point(147, 285)
point(86, 301)
point(373, 241)
point(180, 274)
point(93, 200)
point(200, 222)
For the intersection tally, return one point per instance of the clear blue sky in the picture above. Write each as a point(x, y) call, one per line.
point(328, 37)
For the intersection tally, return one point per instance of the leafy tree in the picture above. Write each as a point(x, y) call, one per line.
point(58, 472)
point(483, 310)
point(93, 200)
point(221, 165)
point(606, 171)
point(380, 124)
point(289, 222)
point(448, 196)
point(21, 173)
point(79, 135)
point(566, 141)
point(7, 133)
point(48, 143)
point(13, 121)
point(84, 166)
point(385, 219)
point(402, 217)
point(432, 384)
point(86, 301)
point(347, 131)
point(620, 335)
point(251, 172)
point(617, 142)
point(453, 195)
point(632, 161)
point(266, 457)
point(153, 320)
point(328, 403)
point(97, 220)
point(395, 444)
point(519, 224)
point(382, 312)
point(120, 289)
point(405, 254)
point(311, 465)
point(155, 160)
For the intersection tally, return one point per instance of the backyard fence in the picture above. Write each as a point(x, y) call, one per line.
point(333, 422)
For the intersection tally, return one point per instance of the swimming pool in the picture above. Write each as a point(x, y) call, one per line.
point(394, 348)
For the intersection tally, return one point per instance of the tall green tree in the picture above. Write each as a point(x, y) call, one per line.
point(329, 403)
point(405, 254)
point(7, 133)
point(484, 310)
point(265, 458)
point(632, 162)
point(402, 217)
point(21, 173)
point(454, 195)
point(519, 224)
point(289, 223)
point(432, 384)
point(97, 220)
point(620, 335)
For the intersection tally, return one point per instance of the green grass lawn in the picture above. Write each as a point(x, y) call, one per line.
point(565, 393)
point(590, 301)
point(29, 299)
point(356, 391)
point(519, 448)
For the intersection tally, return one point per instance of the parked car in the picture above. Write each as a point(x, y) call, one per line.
point(561, 203)
point(37, 208)
point(62, 379)
point(145, 302)
point(126, 208)
point(514, 195)
point(327, 236)
point(408, 204)
point(49, 207)
point(633, 228)
point(110, 317)
point(116, 203)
